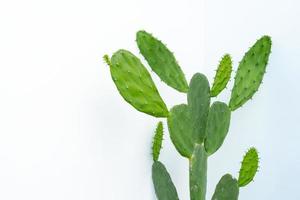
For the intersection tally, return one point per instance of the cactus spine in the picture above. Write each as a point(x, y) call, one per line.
point(197, 128)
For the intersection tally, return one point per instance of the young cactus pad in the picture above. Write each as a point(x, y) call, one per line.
point(249, 167)
point(135, 84)
point(250, 72)
point(157, 141)
point(222, 75)
point(161, 60)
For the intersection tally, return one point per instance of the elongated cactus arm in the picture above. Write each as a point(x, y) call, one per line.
point(250, 72)
point(226, 189)
point(135, 84)
point(157, 141)
point(163, 185)
point(161, 60)
point(198, 173)
point(249, 167)
point(199, 101)
point(222, 75)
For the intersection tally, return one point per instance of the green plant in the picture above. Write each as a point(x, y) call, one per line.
point(197, 128)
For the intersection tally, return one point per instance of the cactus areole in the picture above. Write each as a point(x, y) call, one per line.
point(198, 127)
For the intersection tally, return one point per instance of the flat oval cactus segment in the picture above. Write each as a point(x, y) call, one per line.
point(163, 185)
point(161, 60)
point(222, 75)
point(226, 189)
point(135, 84)
point(157, 141)
point(199, 101)
point(180, 129)
point(250, 72)
point(198, 173)
point(249, 167)
point(217, 126)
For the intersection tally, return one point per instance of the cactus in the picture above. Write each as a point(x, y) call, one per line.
point(217, 126)
point(198, 171)
point(135, 84)
point(180, 129)
point(161, 60)
point(157, 141)
point(197, 128)
point(187, 123)
point(222, 75)
point(163, 185)
point(227, 189)
point(250, 72)
point(198, 100)
point(249, 167)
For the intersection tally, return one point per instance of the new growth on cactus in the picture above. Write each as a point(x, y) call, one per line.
point(199, 127)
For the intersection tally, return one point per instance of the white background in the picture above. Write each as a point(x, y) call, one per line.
point(66, 133)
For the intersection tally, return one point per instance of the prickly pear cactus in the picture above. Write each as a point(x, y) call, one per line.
point(249, 167)
point(198, 173)
point(217, 126)
point(181, 132)
point(197, 127)
point(161, 60)
point(163, 185)
point(222, 75)
point(198, 101)
point(157, 141)
point(250, 72)
point(187, 123)
point(227, 189)
point(135, 84)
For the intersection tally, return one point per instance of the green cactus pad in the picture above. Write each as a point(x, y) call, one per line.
point(249, 167)
point(250, 72)
point(226, 189)
point(217, 126)
point(135, 84)
point(161, 60)
point(181, 130)
point(163, 185)
point(222, 75)
point(198, 170)
point(157, 141)
point(198, 102)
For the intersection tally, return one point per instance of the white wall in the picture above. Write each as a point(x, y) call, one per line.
point(65, 132)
